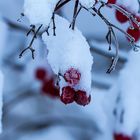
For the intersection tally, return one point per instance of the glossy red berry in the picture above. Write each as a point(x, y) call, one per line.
point(135, 33)
point(111, 1)
point(121, 137)
point(68, 94)
point(40, 73)
point(72, 76)
point(81, 98)
point(121, 17)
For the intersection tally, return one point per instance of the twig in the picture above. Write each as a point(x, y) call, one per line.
point(31, 43)
point(75, 14)
point(129, 15)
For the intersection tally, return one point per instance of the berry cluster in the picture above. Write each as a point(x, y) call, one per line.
point(69, 94)
point(134, 32)
point(48, 84)
point(121, 137)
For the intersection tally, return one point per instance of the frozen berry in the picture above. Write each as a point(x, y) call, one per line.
point(121, 137)
point(72, 76)
point(48, 88)
point(40, 74)
point(68, 94)
point(121, 17)
point(135, 33)
point(81, 98)
point(111, 1)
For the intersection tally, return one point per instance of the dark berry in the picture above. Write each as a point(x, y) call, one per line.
point(121, 17)
point(40, 73)
point(81, 98)
point(68, 94)
point(72, 76)
point(50, 89)
point(111, 1)
point(135, 33)
point(121, 137)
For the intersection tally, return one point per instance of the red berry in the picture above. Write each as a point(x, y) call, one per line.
point(81, 98)
point(50, 89)
point(68, 94)
point(40, 73)
point(121, 137)
point(135, 33)
point(121, 17)
point(111, 1)
point(72, 76)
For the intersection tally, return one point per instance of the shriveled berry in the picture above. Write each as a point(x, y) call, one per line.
point(40, 74)
point(135, 33)
point(121, 17)
point(111, 1)
point(81, 98)
point(72, 76)
point(121, 137)
point(68, 94)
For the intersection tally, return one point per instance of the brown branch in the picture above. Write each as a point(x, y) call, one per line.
point(31, 43)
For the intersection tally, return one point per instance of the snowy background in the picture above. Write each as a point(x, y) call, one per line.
point(29, 114)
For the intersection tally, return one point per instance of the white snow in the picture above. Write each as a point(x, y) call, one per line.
point(69, 50)
point(90, 3)
point(39, 11)
point(52, 133)
point(3, 34)
point(129, 94)
point(131, 5)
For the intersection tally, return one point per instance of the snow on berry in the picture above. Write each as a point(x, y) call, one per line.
point(72, 76)
point(82, 98)
point(67, 95)
point(69, 51)
point(131, 5)
point(39, 11)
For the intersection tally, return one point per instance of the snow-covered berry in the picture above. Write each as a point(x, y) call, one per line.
point(72, 76)
point(135, 33)
point(121, 137)
point(81, 98)
point(69, 51)
point(67, 95)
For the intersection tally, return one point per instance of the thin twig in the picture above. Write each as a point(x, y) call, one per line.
point(31, 43)
point(75, 14)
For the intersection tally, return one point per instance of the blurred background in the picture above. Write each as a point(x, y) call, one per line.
point(29, 111)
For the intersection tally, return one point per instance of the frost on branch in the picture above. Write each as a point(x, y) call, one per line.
point(68, 52)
